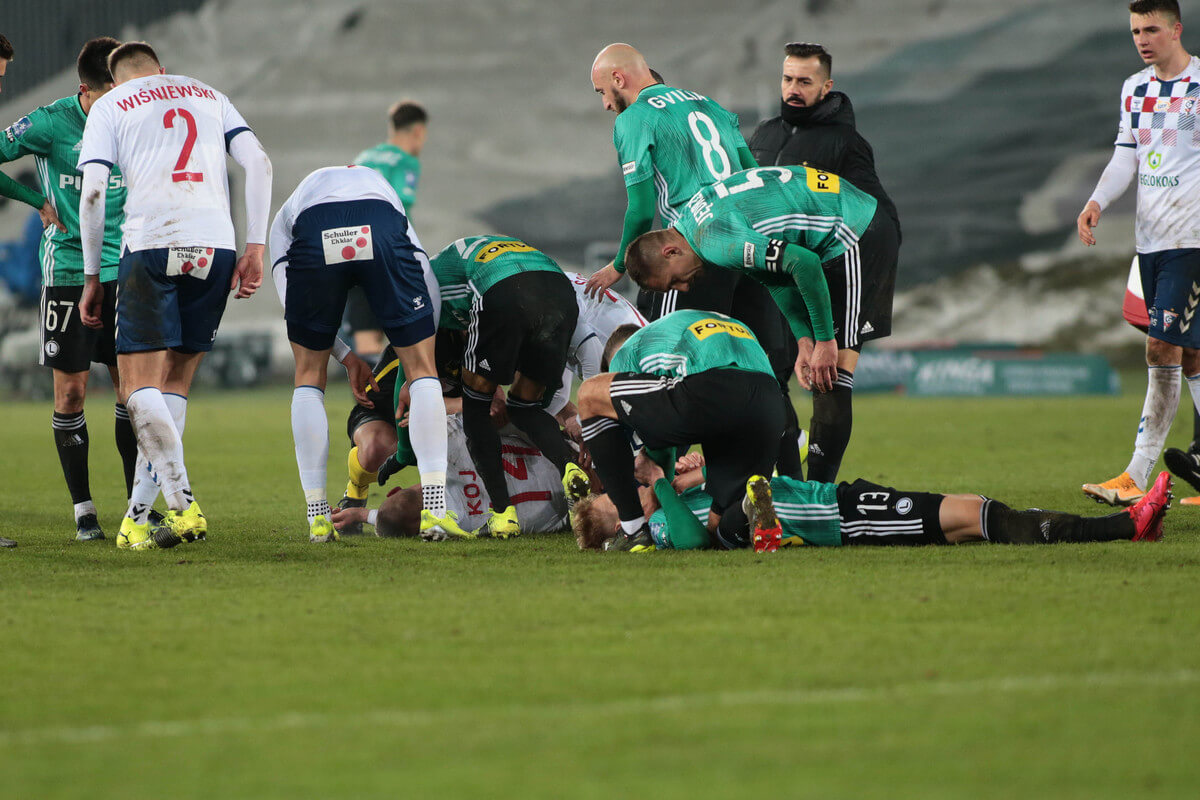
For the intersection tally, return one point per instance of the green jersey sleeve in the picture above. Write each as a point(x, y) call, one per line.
point(31, 135)
point(633, 138)
point(17, 191)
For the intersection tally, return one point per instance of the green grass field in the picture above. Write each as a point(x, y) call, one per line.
point(256, 665)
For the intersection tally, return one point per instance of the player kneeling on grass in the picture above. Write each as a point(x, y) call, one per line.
point(784, 512)
point(519, 312)
point(345, 226)
point(686, 378)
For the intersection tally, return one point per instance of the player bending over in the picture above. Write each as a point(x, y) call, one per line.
point(345, 226)
point(519, 312)
point(785, 512)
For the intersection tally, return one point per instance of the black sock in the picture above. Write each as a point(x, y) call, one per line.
point(733, 530)
point(71, 439)
point(542, 428)
point(1034, 526)
point(613, 460)
point(483, 442)
point(789, 464)
point(1195, 445)
point(832, 420)
point(126, 445)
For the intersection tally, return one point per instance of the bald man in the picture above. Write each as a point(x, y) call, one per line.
point(671, 143)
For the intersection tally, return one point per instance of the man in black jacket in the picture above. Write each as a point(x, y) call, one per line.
point(816, 128)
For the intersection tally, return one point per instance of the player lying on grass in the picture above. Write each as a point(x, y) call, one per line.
point(787, 512)
point(533, 482)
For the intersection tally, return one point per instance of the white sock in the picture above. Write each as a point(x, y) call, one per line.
point(427, 429)
point(84, 508)
point(632, 526)
point(1194, 387)
point(1162, 399)
point(145, 481)
point(159, 440)
point(310, 431)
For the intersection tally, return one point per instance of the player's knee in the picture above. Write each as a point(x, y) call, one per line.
point(69, 393)
point(1162, 354)
point(594, 399)
point(373, 452)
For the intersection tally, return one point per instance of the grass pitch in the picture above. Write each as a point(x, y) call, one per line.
point(256, 665)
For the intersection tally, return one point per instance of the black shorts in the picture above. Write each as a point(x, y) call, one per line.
point(736, 295)
point(522, 324)
point(735, 416)
point(68, 344)
point(384, 408)
point(874, 514)
point(862, 282)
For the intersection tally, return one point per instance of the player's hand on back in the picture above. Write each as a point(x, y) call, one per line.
point(50, 217)
point(91, 302)
point(499, 409)
point(361, 379)
point(601, 280)
point(1088, 219)
point(248, 274)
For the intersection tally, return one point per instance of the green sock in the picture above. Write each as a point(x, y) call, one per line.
point(404, 451)
point(686, 532)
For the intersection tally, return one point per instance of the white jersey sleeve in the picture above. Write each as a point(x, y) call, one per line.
point(598, 318)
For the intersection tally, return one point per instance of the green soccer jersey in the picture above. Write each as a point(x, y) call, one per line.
point(52, 134)
point(807, 511)
point(681, 140)
point(467, 268)
point(746, 223)
point(688, 342)
point(402, 170)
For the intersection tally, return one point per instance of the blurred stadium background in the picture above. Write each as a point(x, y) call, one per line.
point(990, 122)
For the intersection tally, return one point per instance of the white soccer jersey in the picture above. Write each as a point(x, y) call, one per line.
point(169, 134)
point(534, 485)
point(598, 318)
point(1159, 119)
point(340, 185)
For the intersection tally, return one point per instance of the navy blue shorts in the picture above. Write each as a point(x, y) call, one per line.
point(1171, 283)
point(172, 297)
point(360, 242)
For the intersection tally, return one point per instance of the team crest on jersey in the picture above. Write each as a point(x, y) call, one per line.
point(347, 244)
point(496, 249)
point(52, 348)
point(195, 262)
point(1169, 318)
point(704, 328)
point(17, 128)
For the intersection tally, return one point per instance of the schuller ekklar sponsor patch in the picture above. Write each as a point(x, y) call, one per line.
point(195, 262)
point(347, 244)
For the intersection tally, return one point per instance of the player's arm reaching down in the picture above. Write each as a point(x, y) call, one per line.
point(1112, 184)
point(248, 152)
point(15, 190)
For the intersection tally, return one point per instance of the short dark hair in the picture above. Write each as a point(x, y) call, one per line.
point(130, 51)
point(641, 257)
point(1168, 8)
point(810, 50)
point(6, 48)
point(405, 114)
point(617, 338)
point(92, 64)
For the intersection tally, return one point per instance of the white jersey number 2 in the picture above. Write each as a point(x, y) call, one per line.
point(180, 173)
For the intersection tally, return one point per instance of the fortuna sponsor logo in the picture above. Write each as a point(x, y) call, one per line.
point(1158, 181)
point(748, 255)
point(170, 92)
point(674, 96)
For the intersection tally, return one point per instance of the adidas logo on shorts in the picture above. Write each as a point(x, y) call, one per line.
point(484, 364)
